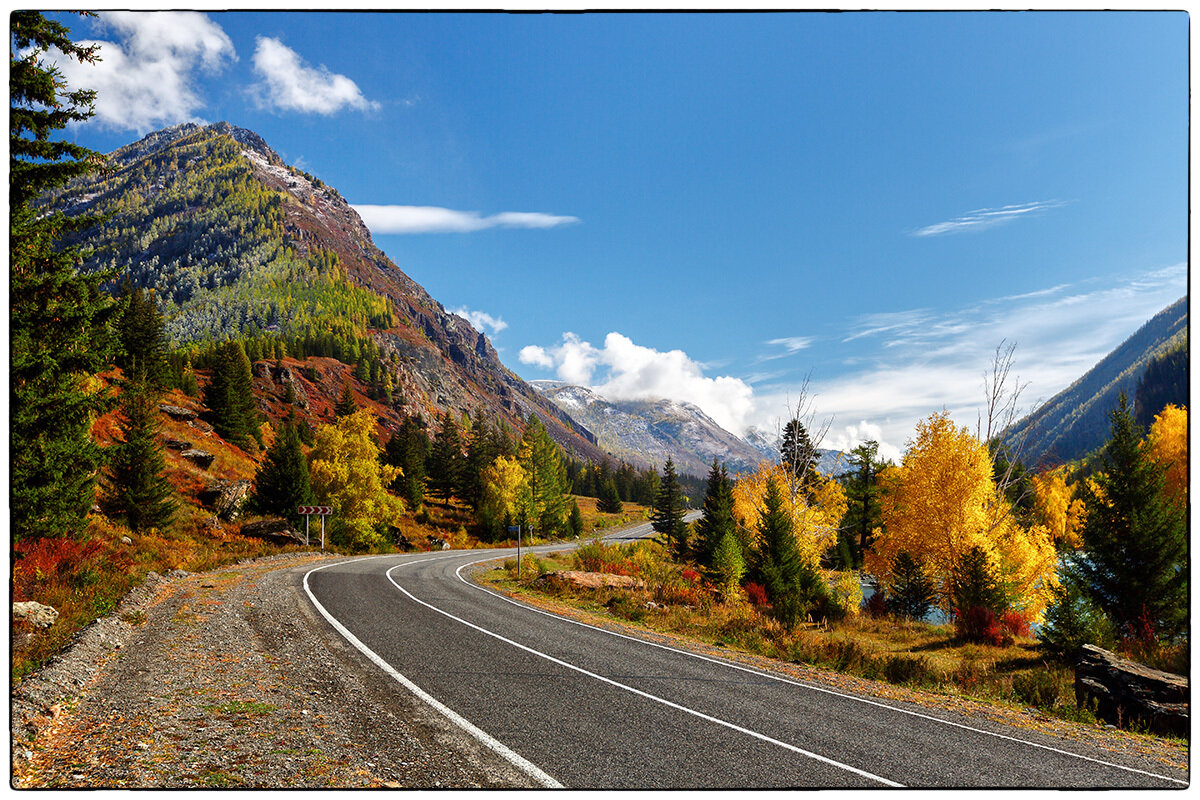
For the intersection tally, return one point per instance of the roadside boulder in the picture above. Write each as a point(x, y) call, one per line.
point(1125, 693)
point(275, 531)
point(177, 412)
point(592, 580)
point(36, 614)
point(226, 498)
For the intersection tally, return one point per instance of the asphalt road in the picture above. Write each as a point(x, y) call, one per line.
point(575, 706)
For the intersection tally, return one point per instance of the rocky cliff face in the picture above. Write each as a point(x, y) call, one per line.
point(233, 240)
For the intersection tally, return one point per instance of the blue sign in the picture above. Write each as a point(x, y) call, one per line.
point(514, 528)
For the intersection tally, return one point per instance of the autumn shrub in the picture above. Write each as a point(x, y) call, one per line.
point(846, 593)
point(908, 669)
point(691, 576)
point(756, 594)
point(876, 605)
point(978, 624)
point(1039, 688)
point(626, 606)
point(1014, 624)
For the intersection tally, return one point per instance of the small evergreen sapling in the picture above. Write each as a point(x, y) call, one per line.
point(138, 487)
point(910, 592)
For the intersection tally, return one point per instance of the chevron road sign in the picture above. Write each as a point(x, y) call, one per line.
point(314, 509)
point(323, 511)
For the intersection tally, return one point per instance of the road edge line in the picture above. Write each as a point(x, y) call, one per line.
point(525, 766)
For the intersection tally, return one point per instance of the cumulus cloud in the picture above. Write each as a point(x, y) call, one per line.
point(481, 320)
point(984, 218)
point(290, 84)
point(623, 370)
point(144, 78)
point(431, 219)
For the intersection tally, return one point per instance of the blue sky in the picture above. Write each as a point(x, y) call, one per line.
point(715, 207)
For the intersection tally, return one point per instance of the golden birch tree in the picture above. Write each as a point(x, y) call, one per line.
point(816, 507)
point(1167, 445)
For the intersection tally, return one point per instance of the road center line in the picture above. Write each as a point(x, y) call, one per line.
point(637, 692)
point(803, 685)
point(525, 766)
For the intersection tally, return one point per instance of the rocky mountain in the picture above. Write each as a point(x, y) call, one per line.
point(831, 462)
point(233, 241)
point(644, 432)
point(1075, 421)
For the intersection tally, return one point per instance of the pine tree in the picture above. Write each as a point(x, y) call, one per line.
point(543, 463)
point(1136, 540)
point(718, 520)
point(58, 323)
point(138, 487)
point(863, 512)
point(910, 592)
point(446, 461)
point(230, 398)
point(346, 404)
point(282, 483)
point(610, 499)
point(575, 521)
point(797, 452)
point(793, 586)
point(666, 515)
point(143, 339)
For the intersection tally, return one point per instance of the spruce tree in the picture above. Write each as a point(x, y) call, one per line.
point(58, 323)
point(543, 464)
point(610, 498)
point(229, 396)
point(911, 592)
point(282, 483)
point(575, 521)
point(718, 519)
point(797, 452)
point(666, 515)
point(138, 487)
point(143, 339)
point(446, 461)
point(793, 587)
point(346, 404)
point(863, 512)
point(1136, 540)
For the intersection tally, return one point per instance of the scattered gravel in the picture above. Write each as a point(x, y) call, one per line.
point(224, 679)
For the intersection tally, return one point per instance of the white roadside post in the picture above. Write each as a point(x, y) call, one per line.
point(517, 528)
point(307, 511)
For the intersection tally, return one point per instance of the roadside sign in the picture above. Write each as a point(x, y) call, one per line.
point(514, 528)
point(323, 510)
point(307, 511)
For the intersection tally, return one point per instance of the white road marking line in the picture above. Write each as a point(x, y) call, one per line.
point(517, 761)
point(801, 684)
point(609, 681)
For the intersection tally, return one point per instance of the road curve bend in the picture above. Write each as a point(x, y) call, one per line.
point(573, 705)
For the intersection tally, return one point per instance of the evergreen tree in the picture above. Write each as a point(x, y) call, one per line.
point(794, 587)
point(728, 564)
point(863, 513)
point(1135, 539)
point(666, 515)
point(974, 584)
point(911, 592)
point(797, 452)
point(230, 398)
point(58, 323)
point(575, 521)
point(487, 444)
point(610, 498)
point(282, 483)
point(143, 339)
point(543, 464)
point(138, 487)
point(446, 461)
point(718, 519)
point(346, 404)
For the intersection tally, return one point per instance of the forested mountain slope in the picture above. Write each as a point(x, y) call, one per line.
point(1075, 421)
point(235, 242)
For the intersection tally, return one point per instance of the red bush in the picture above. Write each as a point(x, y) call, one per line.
point(1014, 623)
point(876, 605)
point(47, 561)
point(756, 593)
point(979, 624)
point(691, 576)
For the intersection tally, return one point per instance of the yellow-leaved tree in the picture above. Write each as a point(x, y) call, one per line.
point(507, 498)
point(1167, 444)
point(816, 506)
point(346, 473)
point(941, 502)
point(1058, 510)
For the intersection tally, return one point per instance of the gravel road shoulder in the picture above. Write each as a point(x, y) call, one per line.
point(228, 678)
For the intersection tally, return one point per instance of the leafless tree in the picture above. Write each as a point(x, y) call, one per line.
point(1002, 410)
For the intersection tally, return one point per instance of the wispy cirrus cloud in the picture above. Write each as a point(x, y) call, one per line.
point(480, 320)
point(288, 83)
point(984, 218)
point(431, 219)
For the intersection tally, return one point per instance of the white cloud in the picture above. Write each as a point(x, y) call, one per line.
point(984, 218)
point(790, 344)
point(481, 320)
point(431, 219)
point(144, 79)
point(623, 370)
point(289, 84)
point(934, 360)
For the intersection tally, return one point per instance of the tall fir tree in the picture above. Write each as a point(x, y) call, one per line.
point(409, 450)
point(797, 452)
point(143, 338)
point(446, 461)
point(1136, 568)
point(229, 396)
point(863, 512)
point(282, 483)
point(58, 323)
point(543, 464)
point(138, 486)
point(718, 520)
point(346, 404)
point(793, 586)
point(666, 515)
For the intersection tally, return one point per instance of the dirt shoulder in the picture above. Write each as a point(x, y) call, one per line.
point(228, 678)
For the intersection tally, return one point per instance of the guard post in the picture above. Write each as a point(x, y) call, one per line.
point(517, 528)
point(307, 511)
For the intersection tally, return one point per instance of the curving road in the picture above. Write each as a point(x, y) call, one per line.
point(572, 705)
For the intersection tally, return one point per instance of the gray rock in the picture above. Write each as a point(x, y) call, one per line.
point(201, 458)
point(42, 616)
point(177, 444)
point(177, 412)
point(1125, 693)
point(200, 425)
point(126, 540)
point(275, 531)
point(226, 498)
